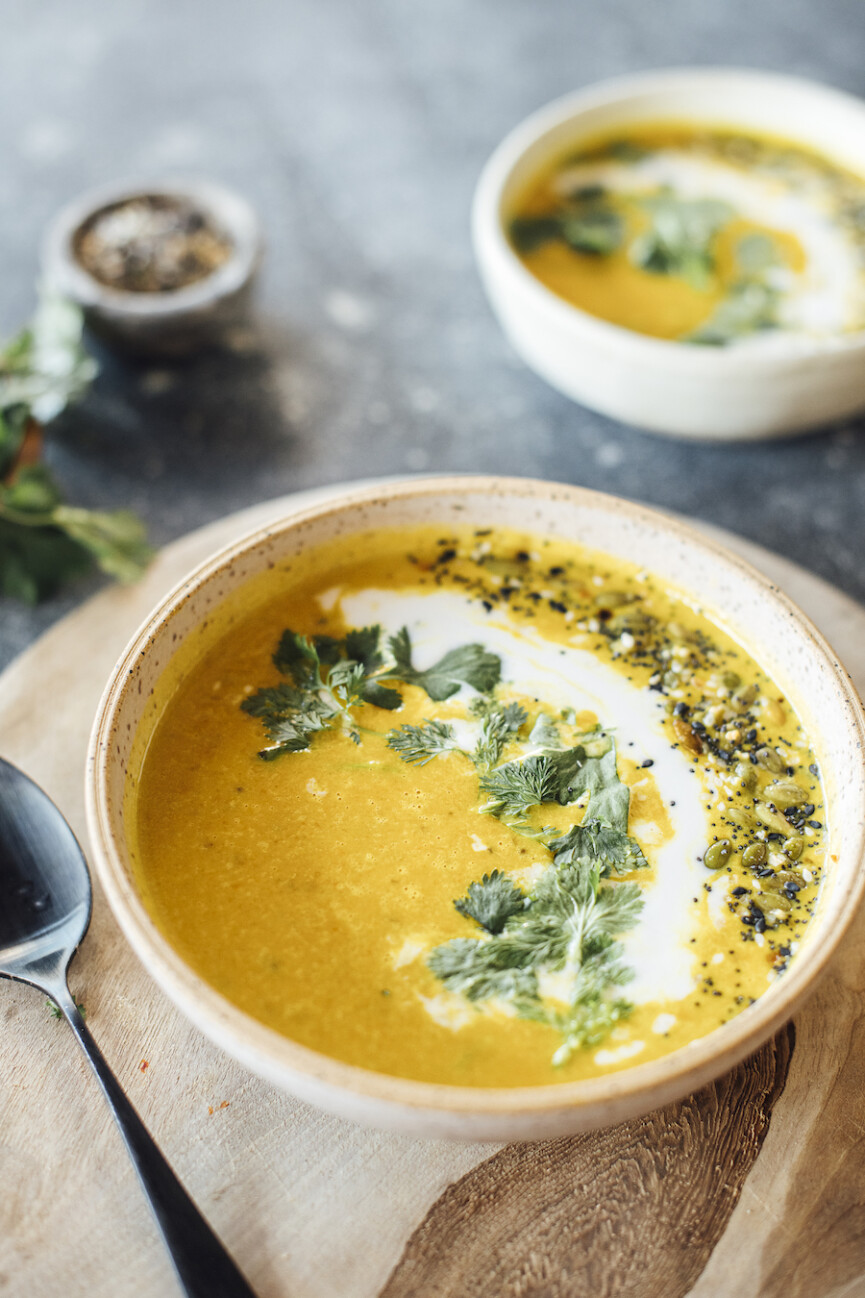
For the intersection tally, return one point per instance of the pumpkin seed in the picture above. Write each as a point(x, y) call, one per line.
point(612, 599)
point(785, 794)
point(746, 695)
point(742, 817)
point(731, 680)
point(790, 876)
point(754, 855)
point(746, 775)
point(794, 847)
point(676, 631)
point(777, 901)
point(769, 760)
point(774, 711)
point(687, 736)
point(718, 854)
point(772, 819)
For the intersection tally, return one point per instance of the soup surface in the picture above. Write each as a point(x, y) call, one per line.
point(700, 235)
point(478, 808)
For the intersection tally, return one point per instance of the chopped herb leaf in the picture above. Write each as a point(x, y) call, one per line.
point(597, 231)
point(519, 785)
point(492, 901)
point(749, 307)
point(498, 726)
point(545, 733)
point(420, 744)
point(598, 844)
point(470, 665)
point(680, 238)
point(480, 970)
point(568, 923)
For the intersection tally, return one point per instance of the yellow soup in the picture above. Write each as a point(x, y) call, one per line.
point(481, 809)
point(699, 235)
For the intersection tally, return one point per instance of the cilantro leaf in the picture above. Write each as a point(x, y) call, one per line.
point(498, 725)
point(470, 664)
point(545, 733)
point(609, 797)
point(519, 785)
point(492, 901)
point(379, 696)
point(567, 925)
point(480, 970)
point(296, 656)
point(680, 239)
point(596, 843)
point(418, 745)
point(291, 717)
point(363, 646)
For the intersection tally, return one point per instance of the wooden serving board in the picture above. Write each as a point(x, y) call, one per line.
point(754, 1186)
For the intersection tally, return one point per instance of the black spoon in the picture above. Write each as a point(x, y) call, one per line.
point(45, 902)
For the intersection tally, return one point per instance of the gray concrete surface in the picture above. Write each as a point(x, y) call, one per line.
point(358, 128)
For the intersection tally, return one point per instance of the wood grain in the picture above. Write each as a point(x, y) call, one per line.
point(630, 1212)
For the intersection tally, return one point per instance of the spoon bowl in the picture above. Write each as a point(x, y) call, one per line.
point(47, 897)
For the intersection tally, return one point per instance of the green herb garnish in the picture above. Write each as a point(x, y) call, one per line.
point(491, 902)
point(468, 665)
point(749, 307)
point(567, 924)
point(680, 238)
point(44, 542)
point(328, 678)
point(519, 785)
point(420, 744)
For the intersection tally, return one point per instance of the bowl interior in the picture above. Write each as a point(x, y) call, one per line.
point(812, 115)
point(780, 637)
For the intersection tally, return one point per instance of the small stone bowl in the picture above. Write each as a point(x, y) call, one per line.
point(176, 322)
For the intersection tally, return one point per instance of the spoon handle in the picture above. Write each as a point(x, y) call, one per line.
point(203, 1266)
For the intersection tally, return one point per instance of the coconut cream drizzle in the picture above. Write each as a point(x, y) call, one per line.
point(659, 948)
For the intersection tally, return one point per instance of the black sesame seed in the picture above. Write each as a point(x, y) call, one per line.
point(739, 892)
point(650, 761)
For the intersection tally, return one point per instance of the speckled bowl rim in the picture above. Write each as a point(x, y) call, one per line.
point(428, 1108)
point(488, 226)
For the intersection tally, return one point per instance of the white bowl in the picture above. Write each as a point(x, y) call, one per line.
point(670, 387)
point(761, 618)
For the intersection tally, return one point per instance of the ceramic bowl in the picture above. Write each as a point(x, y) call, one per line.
point(669, 387)
point(755, 612)
point(171, 324)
